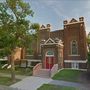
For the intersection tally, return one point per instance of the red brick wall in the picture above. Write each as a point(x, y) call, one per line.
point(75, 32)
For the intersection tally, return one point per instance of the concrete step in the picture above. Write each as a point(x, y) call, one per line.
point(45, 73)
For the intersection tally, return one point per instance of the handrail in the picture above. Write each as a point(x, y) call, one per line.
point(54, 70)
point(37, 68)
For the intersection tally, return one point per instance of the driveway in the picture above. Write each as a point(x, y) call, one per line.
point(32, 83)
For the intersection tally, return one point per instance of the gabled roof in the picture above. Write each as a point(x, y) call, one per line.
point(73, 20)
point(49, 41)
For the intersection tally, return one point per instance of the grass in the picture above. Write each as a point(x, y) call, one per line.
point(68, 75)
point(55, 87)
point(7, 81)
point(18, 71)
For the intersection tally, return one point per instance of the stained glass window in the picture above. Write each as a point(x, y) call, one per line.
point(74, 49)
point(50, 53)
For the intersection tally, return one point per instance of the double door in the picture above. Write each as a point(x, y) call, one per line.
point(49, 62)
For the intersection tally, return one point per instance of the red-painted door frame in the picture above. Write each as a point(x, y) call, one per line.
point(49, 62)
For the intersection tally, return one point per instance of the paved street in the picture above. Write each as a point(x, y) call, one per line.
point(32, 83)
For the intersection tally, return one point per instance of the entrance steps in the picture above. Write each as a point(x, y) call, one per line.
point(38, 71)
point(44, 73)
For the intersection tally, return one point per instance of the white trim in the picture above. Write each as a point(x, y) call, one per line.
point(1, 59)
point(50, 56)
point(74, 23)
point(77, 61)
point(32, 55)
point(52, 44)
point(34, 60)
point(49, 44)
point(71, 69)
point(29, 55)
point(75, 69)
point(74, 55)
point(50, 40)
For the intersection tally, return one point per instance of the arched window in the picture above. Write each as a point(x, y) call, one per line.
point(50, 53)
point(74, 48)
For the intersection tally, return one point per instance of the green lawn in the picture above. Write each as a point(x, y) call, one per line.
point(18, 71)
point(68, 75)
point(54, 87)
point(6, 81)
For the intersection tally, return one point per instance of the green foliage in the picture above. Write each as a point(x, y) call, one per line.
point(68, 75)
point(55, 87)
point(35, 26)
point(89, 57)
point(34, 29)
point(14, 27)
point(88, 40)
point(6, 81)
point(30, 51)
point(88, 43)
point(18, 71)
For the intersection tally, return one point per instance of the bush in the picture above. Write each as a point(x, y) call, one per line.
point(89, 57)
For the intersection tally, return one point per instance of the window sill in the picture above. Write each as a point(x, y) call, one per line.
point(73, 55)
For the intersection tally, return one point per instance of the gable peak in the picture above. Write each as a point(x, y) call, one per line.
point(73, 20)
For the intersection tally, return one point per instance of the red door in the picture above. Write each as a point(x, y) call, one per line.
point(49, 62)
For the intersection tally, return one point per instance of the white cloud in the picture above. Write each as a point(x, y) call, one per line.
point(66, 10)
point(56, 6)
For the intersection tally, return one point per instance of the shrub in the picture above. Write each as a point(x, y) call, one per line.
point(89, 57)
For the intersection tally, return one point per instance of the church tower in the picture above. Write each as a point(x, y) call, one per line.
point(75, 44)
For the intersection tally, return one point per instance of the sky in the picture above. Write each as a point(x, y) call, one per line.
point(54, 12)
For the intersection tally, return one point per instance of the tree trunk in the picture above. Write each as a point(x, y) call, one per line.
point(12, 69)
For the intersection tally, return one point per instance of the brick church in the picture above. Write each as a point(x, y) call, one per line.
point(66, 47)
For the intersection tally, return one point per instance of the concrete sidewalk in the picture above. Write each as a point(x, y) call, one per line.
point(70, 84)
point(32, 83)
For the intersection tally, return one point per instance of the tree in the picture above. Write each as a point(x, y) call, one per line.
point(88, 43)
point(88, 54)
point(14, 28)
point(36, 28)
